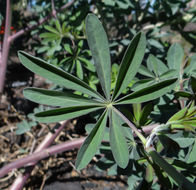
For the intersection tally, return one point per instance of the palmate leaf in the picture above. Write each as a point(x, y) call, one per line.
point(117, 141)
point(98, 43)
point(91, 143)
point(149, 93)
point(56, 75)
point(61, 114)
point(56, 98)
point(130, 63)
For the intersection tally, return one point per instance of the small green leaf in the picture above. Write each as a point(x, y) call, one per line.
point(152, 63)
point(23, 127)
point(146, 111)
point(190, 122)
point(183, 139)
point(130, 63)
point(144, 71)
point(149, 173)
point(141, 84)
point(56, 98)
point(87, 64)
point(192, 65)
point(51, 29)
point(58, 26)
point(183, 94)
point(79, 70)
point(149, 93)
point(137, 108)
point(55, 74)
point(98, 43)
point(156, 65)
point(91, 143)
point(117, 141)
point(49, 36)
point(175, 57)
point(191, 111)
point(168, 74)
point(179, 115)
point(61, 114)
point(192, 157)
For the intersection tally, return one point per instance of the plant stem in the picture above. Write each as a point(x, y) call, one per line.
point(9, 39)
point(33, 158)
point(170, 170)
point(6, 45)
point(53, 8)
point(48, 140)
point(29, 28)
point(135, 130)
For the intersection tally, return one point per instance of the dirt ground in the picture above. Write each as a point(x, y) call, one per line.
point(56, 172)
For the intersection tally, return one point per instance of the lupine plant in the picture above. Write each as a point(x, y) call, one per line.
point(111, 102)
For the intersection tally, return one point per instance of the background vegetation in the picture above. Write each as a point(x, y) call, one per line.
point(55, 31)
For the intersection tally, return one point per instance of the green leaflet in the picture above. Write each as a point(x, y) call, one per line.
point(98, 43)
point(130, 63)
point(51, 29)
point(79, 70)
point(183, 94)
point(191, 111)
point(61, 114)
point(55, 74)
point(170, 170)
point(149, 93)
point(149, 173)
point(144, 71)
point(141, 84)
point(117, 141)
point(153, 63)
point(49, 35)
point(57, 98)
point(192, 154)
point(156, 66)
point(168, 74)
point(91, 143)
point(179, 115)
point(175, 57)
point(190, 122)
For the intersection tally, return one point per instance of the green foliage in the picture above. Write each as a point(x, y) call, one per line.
point(98, 43)
point(79, 99)
point(23, 127)
point(30, 122)
point(56, 33)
